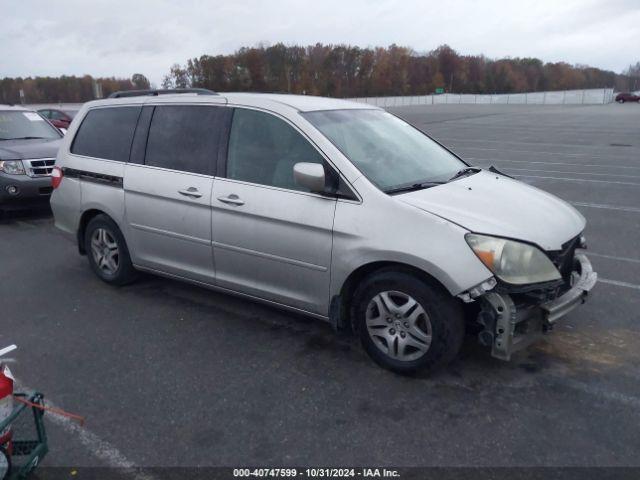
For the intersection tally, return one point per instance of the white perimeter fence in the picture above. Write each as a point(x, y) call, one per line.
point(567, 97)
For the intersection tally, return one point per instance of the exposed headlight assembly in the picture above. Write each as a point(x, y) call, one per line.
point(12, 167)
point(513, 262)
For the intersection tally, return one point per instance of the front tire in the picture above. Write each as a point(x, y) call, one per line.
point(407, 324)
point(107, 251)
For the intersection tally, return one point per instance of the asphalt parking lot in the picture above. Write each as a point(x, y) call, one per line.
point(170, 374)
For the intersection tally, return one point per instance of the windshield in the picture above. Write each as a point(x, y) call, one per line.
point(388, 151)
point(18, 125)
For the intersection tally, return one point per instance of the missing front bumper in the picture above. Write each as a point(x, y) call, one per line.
point(574, 297)
point(509, 328)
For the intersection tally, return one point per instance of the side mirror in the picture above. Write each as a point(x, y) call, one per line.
point(310, 175)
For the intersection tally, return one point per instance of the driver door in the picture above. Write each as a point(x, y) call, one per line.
point(271, 238)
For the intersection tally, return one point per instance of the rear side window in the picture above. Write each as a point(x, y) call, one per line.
point(107, 133)
point(185, 138)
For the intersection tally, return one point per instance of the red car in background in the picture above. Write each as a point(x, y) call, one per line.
point(59, 118)
point(628, 97)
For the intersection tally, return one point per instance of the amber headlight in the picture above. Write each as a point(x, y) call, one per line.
point(513, 262)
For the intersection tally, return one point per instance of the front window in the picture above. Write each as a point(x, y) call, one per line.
point(263, 149)
point(18, 125)
point(388, 151)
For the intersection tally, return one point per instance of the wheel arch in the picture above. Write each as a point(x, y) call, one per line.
point(88, 215)
point(340, 309)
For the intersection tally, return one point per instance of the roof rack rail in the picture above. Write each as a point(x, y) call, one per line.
point(156, 92)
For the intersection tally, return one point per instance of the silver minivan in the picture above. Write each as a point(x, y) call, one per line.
point(330, 208)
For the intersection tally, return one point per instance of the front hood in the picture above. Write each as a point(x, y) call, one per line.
point(26, 149)
point(493, 204)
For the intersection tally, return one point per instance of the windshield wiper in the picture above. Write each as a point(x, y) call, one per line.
point(464, 172)
point(412, 186)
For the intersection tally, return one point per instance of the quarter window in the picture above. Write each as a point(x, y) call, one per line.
point(107, 133)
point(263, 149)
point(185, 138)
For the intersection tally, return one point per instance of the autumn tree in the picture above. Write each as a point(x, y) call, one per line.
point(140, 81)
point(176, 78)
point(68, 89)
point(339, 71)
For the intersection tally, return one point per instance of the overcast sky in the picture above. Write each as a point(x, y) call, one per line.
point(106, 38)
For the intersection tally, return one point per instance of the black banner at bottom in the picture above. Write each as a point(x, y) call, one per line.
point(404, 473)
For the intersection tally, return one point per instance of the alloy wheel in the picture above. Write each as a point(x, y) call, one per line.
point(106, 253)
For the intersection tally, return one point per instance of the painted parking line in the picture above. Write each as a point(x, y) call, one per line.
point(606, 207)
point(498, 160)
point(537, 152)
point(618, 283)
point(566, 179)
point(572, 173)
point(511, 142)
point(100, 448)
point(602, 393)
point(614, 257)
point(512, 130)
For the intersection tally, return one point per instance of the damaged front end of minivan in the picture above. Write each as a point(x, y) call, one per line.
point(531, 289)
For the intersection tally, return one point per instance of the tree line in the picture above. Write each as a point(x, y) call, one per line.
point(65, 89)
point(338, 71)
point(348, 71)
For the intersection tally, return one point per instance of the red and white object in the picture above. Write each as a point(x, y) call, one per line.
point(6, 396)
point(56, 177)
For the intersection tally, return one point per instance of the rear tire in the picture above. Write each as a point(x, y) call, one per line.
point(107, 251)
point(407, 324)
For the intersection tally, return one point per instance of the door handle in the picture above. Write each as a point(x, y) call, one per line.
point(190, 192)
point(232, 199)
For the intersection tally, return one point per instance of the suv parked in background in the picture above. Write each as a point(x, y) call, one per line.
point(28, 147)
point(335, 209)
point(59, 118)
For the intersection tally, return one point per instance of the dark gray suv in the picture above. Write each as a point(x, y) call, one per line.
point(28, 147)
